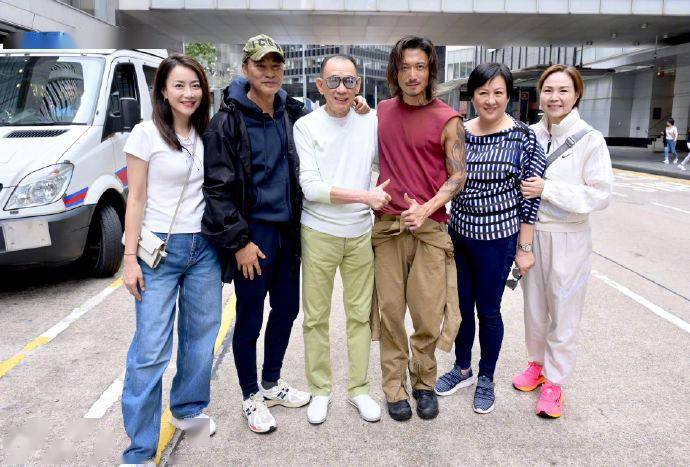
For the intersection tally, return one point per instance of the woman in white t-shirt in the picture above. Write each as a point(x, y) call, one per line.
point(160, 154)
point(671, 137)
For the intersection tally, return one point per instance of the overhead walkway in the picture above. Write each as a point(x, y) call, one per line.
point(493, 23)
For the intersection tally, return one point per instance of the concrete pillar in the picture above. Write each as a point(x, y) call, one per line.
point(681, 96)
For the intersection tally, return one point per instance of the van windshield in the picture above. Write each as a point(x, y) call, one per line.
point(48, 90)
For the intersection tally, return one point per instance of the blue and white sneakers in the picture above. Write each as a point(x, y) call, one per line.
point(484, 397)
point(452, 381)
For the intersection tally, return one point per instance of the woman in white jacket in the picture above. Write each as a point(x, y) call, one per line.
point(577, 182)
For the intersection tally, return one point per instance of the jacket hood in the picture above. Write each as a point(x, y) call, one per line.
point(235, 94)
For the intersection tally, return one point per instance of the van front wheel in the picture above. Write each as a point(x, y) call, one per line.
point(103, 252)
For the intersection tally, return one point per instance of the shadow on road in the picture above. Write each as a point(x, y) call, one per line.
point(24, 280)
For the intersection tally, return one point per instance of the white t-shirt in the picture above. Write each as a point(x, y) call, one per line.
point(336, 152)
point(166, 175)
point(671, 132)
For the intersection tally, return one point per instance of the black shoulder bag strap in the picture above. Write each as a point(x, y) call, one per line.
point(569, 143)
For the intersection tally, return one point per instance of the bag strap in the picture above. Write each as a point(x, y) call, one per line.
point(570, 141)
point(184, 188)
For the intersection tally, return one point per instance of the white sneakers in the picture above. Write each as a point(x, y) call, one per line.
point(368, 409)
point(255, 408)
point(258, 416)
point(318, 409)
point(285, 395)
point(681, 167)
point(193, 423)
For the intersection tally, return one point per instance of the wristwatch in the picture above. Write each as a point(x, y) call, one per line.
point(526, 247)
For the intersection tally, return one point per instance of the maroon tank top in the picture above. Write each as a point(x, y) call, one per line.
point(411, 154)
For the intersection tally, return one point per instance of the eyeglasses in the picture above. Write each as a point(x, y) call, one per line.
point(332, 82)
point(513, 283)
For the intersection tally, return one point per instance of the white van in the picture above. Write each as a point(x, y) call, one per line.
point(64, 119)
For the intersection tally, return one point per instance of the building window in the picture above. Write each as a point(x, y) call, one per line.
point(87, 6)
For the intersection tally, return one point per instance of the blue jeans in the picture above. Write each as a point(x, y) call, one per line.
point(670, 147)
point(483, 267)
point(190, 277)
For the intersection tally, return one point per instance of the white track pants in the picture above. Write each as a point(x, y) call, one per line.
point(554, 291)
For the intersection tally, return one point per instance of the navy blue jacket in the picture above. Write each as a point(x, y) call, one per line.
point(228, 186)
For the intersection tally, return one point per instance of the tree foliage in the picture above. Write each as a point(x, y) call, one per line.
point(204, 53)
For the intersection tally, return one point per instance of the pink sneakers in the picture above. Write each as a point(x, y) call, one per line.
point(550, 403)
point(529, 379)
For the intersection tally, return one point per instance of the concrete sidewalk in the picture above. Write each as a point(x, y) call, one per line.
point(613, 407)
point(646, 161)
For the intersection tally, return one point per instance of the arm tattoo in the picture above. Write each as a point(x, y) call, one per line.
point(456, 162)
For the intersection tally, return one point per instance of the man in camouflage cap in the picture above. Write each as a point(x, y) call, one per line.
point(259, 46)
point(252, 216)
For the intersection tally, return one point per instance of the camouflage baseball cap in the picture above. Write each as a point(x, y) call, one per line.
point(259, 46)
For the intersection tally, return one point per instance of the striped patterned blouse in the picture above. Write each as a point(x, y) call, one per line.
point(491, 206)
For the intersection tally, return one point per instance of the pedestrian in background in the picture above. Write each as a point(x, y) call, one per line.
point(165, 167)
point(671, 136)
point(683, 165)
point(490, 220)
point(577, 181)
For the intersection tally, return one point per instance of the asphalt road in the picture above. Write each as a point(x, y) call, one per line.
point(64, 340)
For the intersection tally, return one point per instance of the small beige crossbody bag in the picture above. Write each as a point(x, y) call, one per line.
point(151, 249)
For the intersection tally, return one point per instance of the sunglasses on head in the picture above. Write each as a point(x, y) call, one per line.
point(332, 82)
point(513, 283)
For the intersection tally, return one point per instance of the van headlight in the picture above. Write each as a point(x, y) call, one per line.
point(41, 187)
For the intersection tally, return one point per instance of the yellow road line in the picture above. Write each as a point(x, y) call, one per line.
point(167, 429)
point(226, 321)
point(647, 176)
point(7, 365)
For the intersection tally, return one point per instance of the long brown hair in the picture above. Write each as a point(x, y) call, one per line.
point(396, 57)
point(162, 112)
point(575, 76)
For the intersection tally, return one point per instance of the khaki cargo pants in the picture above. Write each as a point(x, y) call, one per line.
point(410, 272)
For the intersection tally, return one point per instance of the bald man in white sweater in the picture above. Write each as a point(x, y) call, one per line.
point(337, 149)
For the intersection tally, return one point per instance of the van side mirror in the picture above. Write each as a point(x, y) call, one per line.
point(130, 113)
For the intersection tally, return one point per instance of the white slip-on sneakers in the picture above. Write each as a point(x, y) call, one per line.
point(195, 423)
point(318, 409)
point(368, 409)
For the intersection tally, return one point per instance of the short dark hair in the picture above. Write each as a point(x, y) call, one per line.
point(485, 72)
point(671, 120)
point(395, 60)
point(162, 114)
point(340, 56)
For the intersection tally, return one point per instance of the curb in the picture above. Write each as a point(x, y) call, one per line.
point(653, 171)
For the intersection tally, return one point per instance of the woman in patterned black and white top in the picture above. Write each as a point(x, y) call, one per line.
point(490, 220)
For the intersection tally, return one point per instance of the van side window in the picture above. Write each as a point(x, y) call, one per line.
point(149, 75)
point(124, 85)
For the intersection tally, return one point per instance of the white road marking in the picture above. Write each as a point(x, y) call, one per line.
point(78, 312)
point(656, 309)
point(107, 399)
point(671, 207)
point(619, 194)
